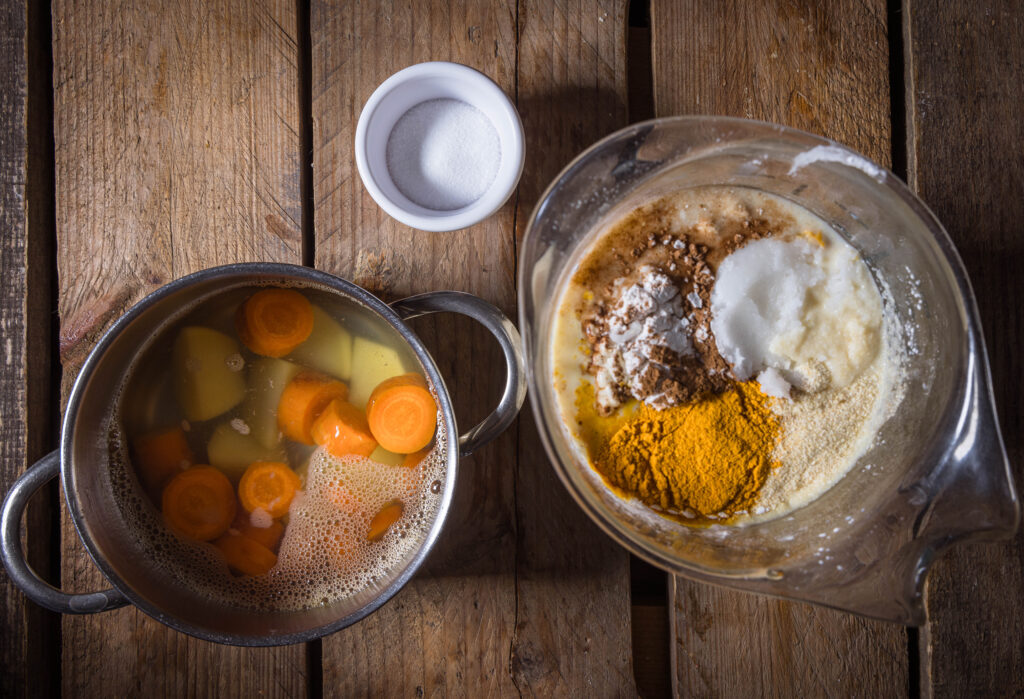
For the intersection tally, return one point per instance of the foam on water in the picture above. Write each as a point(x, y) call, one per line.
point(324, 556)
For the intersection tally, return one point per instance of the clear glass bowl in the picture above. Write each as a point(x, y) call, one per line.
point(937, 472)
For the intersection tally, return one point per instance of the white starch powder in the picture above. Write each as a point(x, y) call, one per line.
point(443, 154)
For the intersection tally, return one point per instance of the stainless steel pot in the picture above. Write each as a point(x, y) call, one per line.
point(84, 457)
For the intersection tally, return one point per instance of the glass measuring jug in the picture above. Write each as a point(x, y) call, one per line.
point(937, 472)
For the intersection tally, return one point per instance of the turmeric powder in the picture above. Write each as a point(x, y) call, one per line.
point(706, 459)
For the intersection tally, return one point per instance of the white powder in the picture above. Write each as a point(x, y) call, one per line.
point(773, 384)
point(648, 316)
point(443, 154)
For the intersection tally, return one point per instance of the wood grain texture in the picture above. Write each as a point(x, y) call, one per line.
point(729, 643)
point(448, 632)
point(965, 90)
point(176, 149)
point(28, 653)
point(573, 632)
point(824, 68)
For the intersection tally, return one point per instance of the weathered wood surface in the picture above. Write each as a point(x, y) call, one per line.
point(28, 655)
point(176, 149)
point(573, 597)
point(965, 89)
point(823, 68)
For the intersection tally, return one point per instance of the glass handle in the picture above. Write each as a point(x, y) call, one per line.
point(972, 497)
point(508, 338)
point(34, 587)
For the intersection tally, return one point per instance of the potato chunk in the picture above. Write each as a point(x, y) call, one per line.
point(372, 362)
point(267, 379)
point(231, 451)
point(328, 349)
point(209, 380)
point(383, 456)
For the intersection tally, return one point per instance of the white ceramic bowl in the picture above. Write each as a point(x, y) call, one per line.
point(404, 90)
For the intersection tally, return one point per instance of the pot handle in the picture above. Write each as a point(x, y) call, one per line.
point(507, 336)
point(34, 587)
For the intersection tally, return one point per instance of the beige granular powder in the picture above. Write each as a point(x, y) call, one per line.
point(822, 435)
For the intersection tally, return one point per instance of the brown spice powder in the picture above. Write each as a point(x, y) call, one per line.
point(653, 238)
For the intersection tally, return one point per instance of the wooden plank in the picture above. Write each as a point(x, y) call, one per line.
point(573, 595)
point(449, 631)
point(176, 149)
point(823, 68)
point(965, 87)
point(28, 652)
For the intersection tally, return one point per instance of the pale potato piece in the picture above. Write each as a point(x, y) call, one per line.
point(327, 349)
point(209, 380)
point(267, 379)
point(372, 362)
point(232, 452)
point(383, 456)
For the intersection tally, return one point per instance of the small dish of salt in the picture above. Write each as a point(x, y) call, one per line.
point(439, 146)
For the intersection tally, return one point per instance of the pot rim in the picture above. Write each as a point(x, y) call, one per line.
point(239, 272)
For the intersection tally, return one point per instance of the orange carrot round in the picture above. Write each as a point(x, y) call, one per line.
point(302, 401)
point(199, 503)
point(245, 555)
point(268, 536)
point(384, 520)
point(268, 486)
point(342, 430)
point(402, 413)
point(273, 322)
point(159, 457)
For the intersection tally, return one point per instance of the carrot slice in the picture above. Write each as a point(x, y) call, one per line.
point(402, 413)
point(245, 555)
point(384, 520)
point(273, 322)
point(199, 503)
point(268, 536)
point(302, 401)
point(342, 430)
point(269, 486)
point(416, 458)
point(159, 457)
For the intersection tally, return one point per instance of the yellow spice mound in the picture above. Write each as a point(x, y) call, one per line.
point(710, 457)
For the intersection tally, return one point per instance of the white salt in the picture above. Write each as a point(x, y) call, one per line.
point(443, 154)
